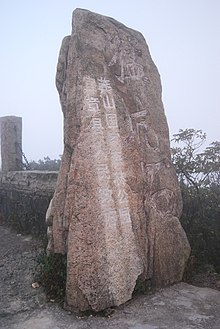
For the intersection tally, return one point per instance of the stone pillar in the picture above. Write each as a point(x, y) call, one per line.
point(11, 143)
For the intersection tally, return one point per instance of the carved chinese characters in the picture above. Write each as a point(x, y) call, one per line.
point(116, 206)
point(110, 175)
point(108, 157)
point(126, 58)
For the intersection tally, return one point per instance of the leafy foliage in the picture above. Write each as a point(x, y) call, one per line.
point(194, 166)
point(198, 170)
point(52, 275)
point(46, 164)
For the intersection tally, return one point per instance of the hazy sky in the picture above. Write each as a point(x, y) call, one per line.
point(184, 41)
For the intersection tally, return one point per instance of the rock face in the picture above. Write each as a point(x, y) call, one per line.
point(116, 206)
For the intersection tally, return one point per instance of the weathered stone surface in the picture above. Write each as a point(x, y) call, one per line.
point(11, 143)
point(117, 203)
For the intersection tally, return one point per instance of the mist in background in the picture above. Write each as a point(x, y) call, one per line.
point(183, 37)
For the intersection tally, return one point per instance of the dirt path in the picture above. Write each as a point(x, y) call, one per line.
point(17, 266)
point(22, 307)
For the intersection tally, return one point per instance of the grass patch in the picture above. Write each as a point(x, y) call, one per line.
point(51, 274)
point(142, 287)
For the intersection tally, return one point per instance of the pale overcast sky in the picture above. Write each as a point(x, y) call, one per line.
point(184, 41)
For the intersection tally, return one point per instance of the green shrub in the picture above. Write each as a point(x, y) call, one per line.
point(52, 275)
point(142, 287)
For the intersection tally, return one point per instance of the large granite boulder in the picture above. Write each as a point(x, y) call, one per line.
point(117, 204)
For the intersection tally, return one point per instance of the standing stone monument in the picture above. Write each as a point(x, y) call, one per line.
point(116, 208)
point(11, 143)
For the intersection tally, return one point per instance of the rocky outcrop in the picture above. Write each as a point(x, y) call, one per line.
point(117, 204)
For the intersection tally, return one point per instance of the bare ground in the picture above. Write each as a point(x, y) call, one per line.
point(23, 307)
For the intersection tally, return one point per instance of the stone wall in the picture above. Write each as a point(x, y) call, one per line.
point(24, 199)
